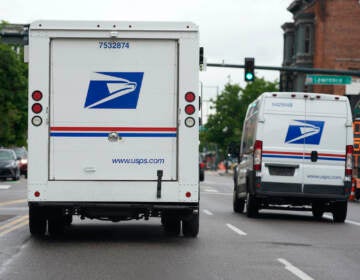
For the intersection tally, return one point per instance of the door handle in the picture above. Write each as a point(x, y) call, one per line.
point(314, 156)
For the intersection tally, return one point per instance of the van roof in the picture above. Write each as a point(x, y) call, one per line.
point(298, 95)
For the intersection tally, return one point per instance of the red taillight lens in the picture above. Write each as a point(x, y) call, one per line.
point(188, 194)
point(257, 155)
point(37, 194)
point(36, 108)
point(348, 160)
point(190, 96)
point(37, 95)
point(190, 109)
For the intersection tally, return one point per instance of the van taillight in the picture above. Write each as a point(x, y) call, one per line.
point(348, 160)
point(36, 108)
point(257, 155)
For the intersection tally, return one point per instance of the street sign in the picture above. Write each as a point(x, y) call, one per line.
point(327, 80)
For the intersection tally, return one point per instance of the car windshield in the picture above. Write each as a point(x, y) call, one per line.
point(6, 155)
point(20, 152)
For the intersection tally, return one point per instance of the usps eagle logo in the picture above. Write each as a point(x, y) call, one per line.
point(304, 132)
point(114, 90)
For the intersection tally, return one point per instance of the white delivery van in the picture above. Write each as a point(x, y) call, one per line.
point(113, 123)
point(296, 150)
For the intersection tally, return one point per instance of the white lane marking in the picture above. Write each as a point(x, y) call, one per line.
point(294, 270)
point(211, 190)
point(346, 221)
point(207, 212)
point(238, 231)
point(5, 187)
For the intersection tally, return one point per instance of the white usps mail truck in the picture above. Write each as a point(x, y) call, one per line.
point(296, 150)
point(113, 123)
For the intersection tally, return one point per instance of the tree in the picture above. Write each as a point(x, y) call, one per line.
point(225, 126)
point(13, 97)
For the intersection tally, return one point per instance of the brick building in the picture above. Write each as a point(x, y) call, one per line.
point(324, 34)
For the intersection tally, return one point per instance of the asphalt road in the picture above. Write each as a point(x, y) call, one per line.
point(277, 245)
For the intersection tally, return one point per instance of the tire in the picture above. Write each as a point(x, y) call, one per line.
point(56, 222)
point(238, 204)
point(317, 210)
point(171, 224)
point(339, 211)
point(68, 220)
point(37, 222)
point(190, 226)
point(252, 206)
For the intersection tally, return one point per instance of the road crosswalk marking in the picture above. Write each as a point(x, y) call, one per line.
point(5, 187)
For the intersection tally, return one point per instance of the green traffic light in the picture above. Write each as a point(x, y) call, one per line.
point(249, 76)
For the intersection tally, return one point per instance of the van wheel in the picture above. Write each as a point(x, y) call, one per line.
point(171, 224)
point(190, 226)
point(37, 222)
point(238, 204)
point(317, 210)
point(252, 206)
point(339, 211)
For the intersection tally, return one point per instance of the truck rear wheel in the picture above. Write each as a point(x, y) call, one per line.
point(190, 226)
point(37, 222)
point(339, 211)
point(238, 204)
point(252, 206)
point(56, 222)
point(171, 224)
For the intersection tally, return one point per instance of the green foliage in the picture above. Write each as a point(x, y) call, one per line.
point(225, 126)
point(13, 98)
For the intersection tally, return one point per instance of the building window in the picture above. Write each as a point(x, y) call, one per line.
point(307, 39)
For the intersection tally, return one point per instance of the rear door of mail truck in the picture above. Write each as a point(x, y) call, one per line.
point(325, 145)
point(113, 109)
point(283, 149)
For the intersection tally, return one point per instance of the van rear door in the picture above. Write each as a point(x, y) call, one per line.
point(113, 109)
point(325, 145)
point(283, 148)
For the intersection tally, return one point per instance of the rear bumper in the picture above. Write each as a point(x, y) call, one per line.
point(306, 194)
point(117, 205)
point(115, 211)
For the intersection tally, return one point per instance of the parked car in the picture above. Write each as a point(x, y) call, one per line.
point(9, 166)
point(21, 153)
point(201, 169)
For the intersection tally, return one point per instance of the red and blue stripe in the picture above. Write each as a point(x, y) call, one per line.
point(300, 155)
point(82, 131)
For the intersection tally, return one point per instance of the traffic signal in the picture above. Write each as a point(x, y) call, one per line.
point(249, 69)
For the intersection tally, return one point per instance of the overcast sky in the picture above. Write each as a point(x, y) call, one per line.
point(229, 29)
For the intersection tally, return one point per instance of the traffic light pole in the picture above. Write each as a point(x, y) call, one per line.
point(292, 69)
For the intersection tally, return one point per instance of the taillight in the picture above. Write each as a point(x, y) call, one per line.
point(190, 96)
point(348, 160)
point(37, 95)
point(190, 109)
point(36, 108)
point(257, 155)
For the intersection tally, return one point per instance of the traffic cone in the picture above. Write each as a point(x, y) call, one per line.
point(352, 193)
